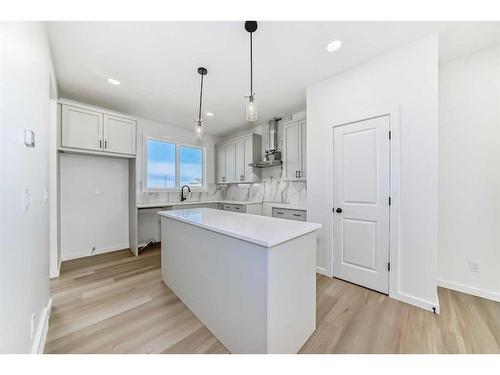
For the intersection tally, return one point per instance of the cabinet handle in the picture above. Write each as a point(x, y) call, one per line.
point(297, 215)
point(105, 144)
point(300, 174)
point(100, 143)
point(279, 212)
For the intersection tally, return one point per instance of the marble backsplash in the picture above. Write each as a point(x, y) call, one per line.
point(273, 188)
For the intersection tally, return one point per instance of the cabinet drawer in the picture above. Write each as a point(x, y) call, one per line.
point(233, 207)
point(285, 213)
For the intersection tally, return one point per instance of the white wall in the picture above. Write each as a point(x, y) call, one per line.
point(406, 79)
point(94, 205)
point(25, 67)
point(469, 172)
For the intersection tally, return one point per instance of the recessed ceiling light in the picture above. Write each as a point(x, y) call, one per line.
point(209, 114)
point(114, 81)
point(333, 45)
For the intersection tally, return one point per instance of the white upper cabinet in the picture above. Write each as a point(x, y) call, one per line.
point(240, 160)
point(233, 158)
point(294, 160)
point(231, 162)
point(220, 160)
point(85, 129)
point(81, 128)
point(119, 135)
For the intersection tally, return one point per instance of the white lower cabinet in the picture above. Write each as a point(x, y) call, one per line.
point(285, 213)
point(251, 208)
point(85, 129)
point(233, 158)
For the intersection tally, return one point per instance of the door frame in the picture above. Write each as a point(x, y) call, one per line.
point(394, 191)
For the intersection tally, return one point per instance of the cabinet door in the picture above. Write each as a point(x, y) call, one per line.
point(81, 128)
point(119, 135)
point(220, 159)
point(231, 162)
point(249, 172)
point(240, 160)
point(303, 150)
point(292, 151)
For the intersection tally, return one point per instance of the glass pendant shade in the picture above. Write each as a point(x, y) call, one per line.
point(198, 131)
point(251, 109)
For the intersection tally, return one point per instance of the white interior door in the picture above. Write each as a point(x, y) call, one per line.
point(361, 203)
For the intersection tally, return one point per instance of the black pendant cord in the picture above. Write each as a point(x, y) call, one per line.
point(251, 66)
point(201, 98)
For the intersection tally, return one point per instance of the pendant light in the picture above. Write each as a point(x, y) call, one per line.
point(199, 124)
point(251, 106)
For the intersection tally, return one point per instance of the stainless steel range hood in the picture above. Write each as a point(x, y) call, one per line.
point(266, 164)
point(272, 156)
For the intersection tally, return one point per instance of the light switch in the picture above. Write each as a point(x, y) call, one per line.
point(29, 138)
point(26, 199)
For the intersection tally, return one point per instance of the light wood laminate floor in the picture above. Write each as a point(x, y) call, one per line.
point(117, 303)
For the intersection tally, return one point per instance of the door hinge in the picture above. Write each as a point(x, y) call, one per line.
point(389, 201)
point(388, 266)
point(390, 134)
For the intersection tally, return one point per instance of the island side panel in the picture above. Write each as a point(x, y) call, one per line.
point(222, 280)
point(291, 294)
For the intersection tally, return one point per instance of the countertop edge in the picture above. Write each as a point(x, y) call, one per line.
point(268, 244)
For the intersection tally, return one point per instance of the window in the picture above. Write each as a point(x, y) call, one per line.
point(191, 166)
point(169, 165)
point(160, 164)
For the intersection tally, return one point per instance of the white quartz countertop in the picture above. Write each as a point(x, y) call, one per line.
point(261, 230)
point(189, 203)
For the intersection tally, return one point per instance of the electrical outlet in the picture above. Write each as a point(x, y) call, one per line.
point(474, 266)
point(32, 326)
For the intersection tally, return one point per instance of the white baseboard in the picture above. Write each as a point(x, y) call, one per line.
point(322, 270)
point(42, 329)
point(415, 301)
point(99, 251)
point(55, 273)
point(478, 292)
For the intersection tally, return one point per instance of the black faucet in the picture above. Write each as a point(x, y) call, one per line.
point(183, 198)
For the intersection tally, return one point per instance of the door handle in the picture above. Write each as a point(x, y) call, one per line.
point(339, 210)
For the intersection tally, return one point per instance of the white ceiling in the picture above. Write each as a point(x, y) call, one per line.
point(156, 62)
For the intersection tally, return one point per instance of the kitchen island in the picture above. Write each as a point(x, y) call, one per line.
point(250, 279)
